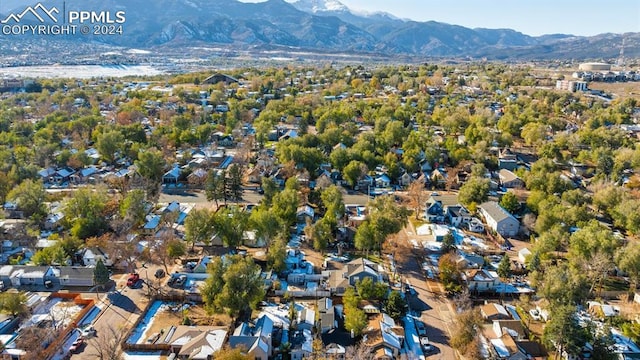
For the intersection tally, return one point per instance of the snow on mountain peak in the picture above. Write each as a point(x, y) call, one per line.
point(319, 5)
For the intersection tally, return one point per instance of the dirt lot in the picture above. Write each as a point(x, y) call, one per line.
point(165, 319)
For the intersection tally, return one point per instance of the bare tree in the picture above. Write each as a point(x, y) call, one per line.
point(417, 196)
point(107, 343)
point(33, 340)
point(359, 351)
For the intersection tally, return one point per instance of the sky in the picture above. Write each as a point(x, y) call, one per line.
point(532, 17)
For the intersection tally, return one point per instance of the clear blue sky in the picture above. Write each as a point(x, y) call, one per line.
point(532, 17)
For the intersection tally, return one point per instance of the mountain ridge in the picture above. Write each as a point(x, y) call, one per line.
point(328, 25)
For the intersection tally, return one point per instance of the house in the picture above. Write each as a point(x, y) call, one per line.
point(198, 177)
point(226, 141)
point(301, 344)
point(352, 272)
point(382, 181)
point(303, 213)
point(438, 178)
point(195, 342)
point(510, 180)
point(436, 205)
point(511, 327)
point(256, 340)
point(523, 254)
point(507, 160)
point(20, 275)
point(76, 276)
point(498, 219)
point(327, 316)
point(475, 225)
point(405, 179)
point(152, 224)
point(457, 214)
point(255, 174)
point(384, 337)
point(481, 280)
point(494, 311)
point(218, 77)
point(171, 176)
point(90, 257)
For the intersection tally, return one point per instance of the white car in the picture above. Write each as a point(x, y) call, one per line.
point(535, 314)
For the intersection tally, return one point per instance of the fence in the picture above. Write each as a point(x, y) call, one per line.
point(78, 300)
point(148, 347)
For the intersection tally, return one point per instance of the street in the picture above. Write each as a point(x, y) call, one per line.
point(430, 302)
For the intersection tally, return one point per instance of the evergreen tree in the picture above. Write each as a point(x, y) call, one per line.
point(101, 274)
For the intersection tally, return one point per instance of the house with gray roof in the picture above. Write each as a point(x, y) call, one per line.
point(498, 219)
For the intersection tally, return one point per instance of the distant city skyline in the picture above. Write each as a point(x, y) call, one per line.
point(531, 17)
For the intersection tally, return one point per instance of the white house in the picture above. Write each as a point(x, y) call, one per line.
point(498, 219)
point(90, 257)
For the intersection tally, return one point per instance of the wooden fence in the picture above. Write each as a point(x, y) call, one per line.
point(78, 300)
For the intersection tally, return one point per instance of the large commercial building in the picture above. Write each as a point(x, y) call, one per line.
point(594, 67)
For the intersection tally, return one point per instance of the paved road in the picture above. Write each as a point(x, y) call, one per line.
point(434, 309)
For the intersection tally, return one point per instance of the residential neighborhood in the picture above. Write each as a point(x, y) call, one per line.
point(438, 211)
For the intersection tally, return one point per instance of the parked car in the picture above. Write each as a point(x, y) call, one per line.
point(422, 329)
point(426, 347)
point(159, 273)
point(75, 347)
point(535, 314)
point(133, 280)
point(88, 332)
point(180, 280)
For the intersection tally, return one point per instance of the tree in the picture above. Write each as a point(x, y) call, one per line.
point(50, 255)
point(474, 191)
point(109, 143)
point(333, 202)
point(100, 274)
point(321, 234)
point(277, 255)
point(359, 351)
point(227, 353)
point(107, 344)
point(285, 205)
point(266, 224)
point(230, 224)
point(504, 267)
point(234, 182)
point(150, 165)
point(448, 243)
point(396, 306)
point(168, 250)
point(467, 327)
point(234, 286)
point(133, 208)
point(215, 186)
point(354, 171)
point(417, 196)
point(563, 332)
point(29, 196)
point(355, 320)
point(450, 273)
point(628, 260)
point(509, 202)
point(14, 304)
point(85, 213)
point(198, 227)
point(270, 188)
point(33, 340)
point(369, 290)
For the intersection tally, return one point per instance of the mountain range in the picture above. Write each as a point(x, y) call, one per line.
point(325, 26)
